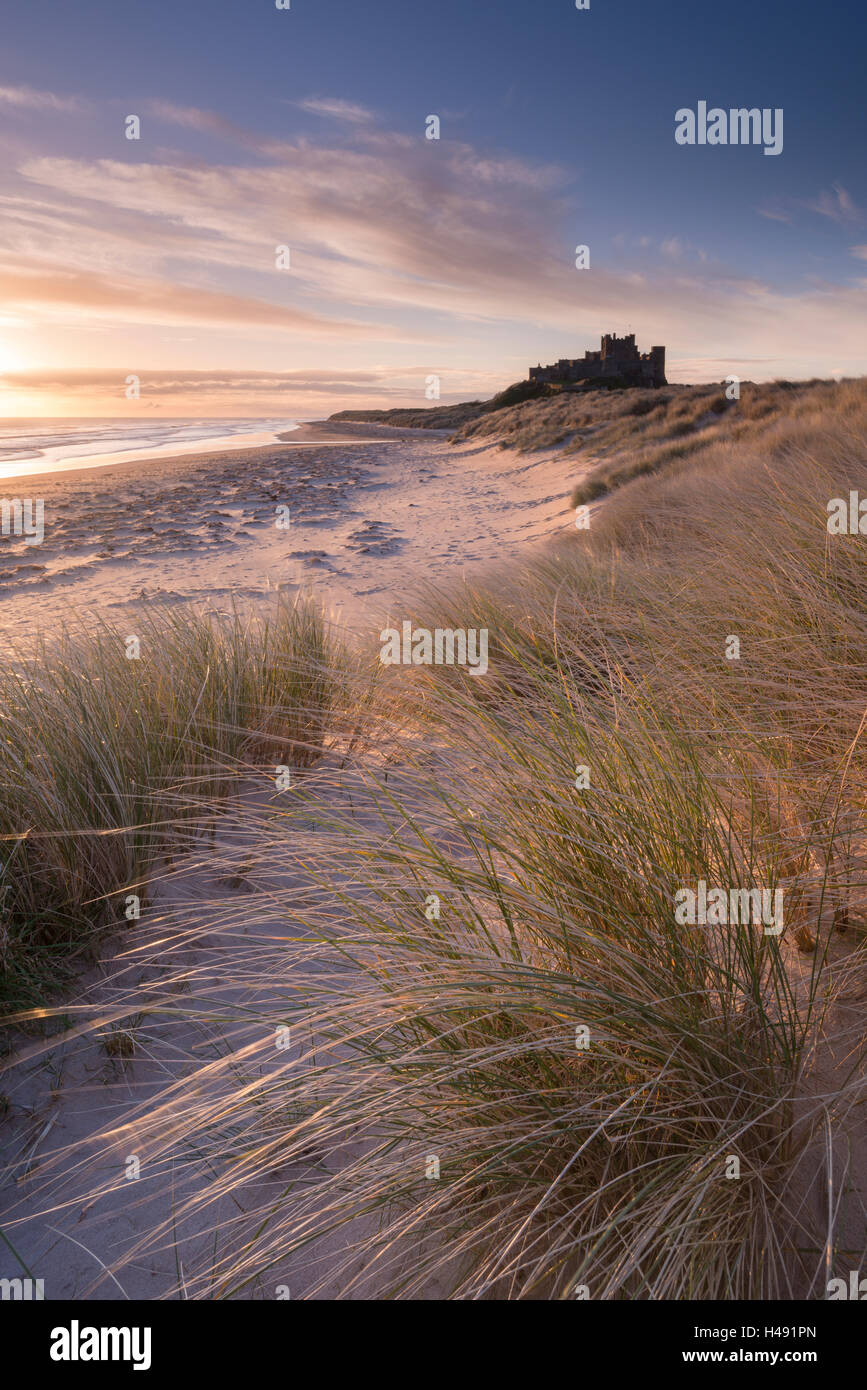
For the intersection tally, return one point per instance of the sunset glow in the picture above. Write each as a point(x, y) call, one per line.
point(145, 202)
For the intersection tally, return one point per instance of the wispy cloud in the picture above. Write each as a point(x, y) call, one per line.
point(836, 204)
point(377, 228)
point(336, 109)
point(33, 289)
point(180, 382)
point(776, 214)
point(29, 99)
point(299, 393)
point(438, 240)
point(193, 118)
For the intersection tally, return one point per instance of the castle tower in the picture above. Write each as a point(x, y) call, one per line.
point(657, 358)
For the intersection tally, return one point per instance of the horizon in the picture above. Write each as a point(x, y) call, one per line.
point(409, 259)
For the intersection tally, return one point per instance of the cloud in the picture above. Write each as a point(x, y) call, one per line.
point(31, 288)
point(336, 109)
point(386, 223)
point(440, 238)
point(838, 205)
point(210, 123)
point(29, 99)
point(297, 394)
point(859, 251)
point(454, 235)
point(775, 214)
point(193, 118)
point(183, 382)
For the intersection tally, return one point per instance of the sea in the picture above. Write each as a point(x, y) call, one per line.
point(59, 445)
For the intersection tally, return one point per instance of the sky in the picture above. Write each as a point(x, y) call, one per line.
point(415, 264)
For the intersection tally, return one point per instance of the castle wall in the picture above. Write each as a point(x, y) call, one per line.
point(616, 357)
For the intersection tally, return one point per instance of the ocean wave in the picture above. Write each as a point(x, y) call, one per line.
point(69, 444)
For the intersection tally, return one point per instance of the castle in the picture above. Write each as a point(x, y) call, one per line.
point(617, 357)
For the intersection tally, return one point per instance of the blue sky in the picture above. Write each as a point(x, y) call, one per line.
point(409, 256)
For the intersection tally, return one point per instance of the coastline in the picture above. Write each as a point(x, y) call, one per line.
point(314, 432)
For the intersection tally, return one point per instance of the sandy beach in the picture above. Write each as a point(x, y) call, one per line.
point(371, 509)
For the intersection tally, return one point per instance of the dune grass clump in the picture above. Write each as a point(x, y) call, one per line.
point(108, 762)
point(579, 1066)
point(597, 419)
point(774, 421)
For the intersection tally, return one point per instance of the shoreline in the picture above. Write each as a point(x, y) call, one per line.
point(308, 435)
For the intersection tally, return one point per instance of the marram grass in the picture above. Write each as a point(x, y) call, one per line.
point(108, 762)
point(513, 1072)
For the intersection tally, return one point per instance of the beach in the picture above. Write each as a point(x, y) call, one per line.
point(370, 511)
